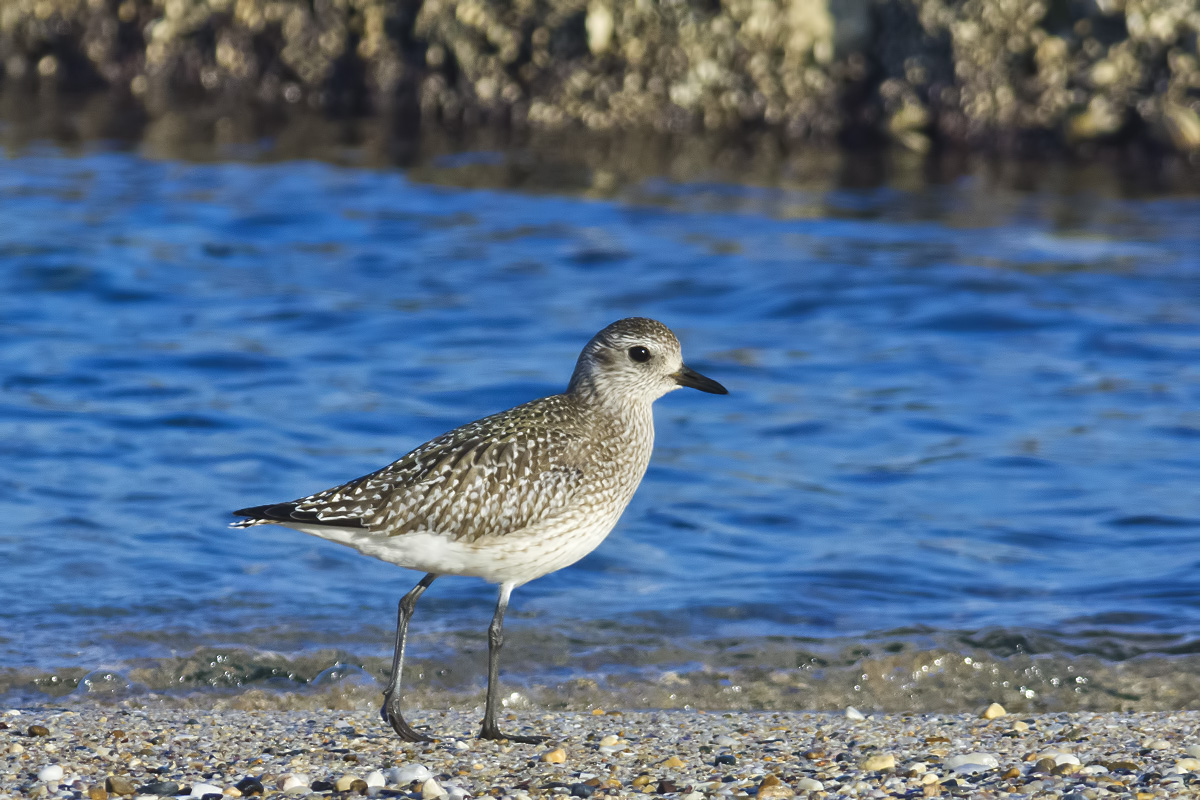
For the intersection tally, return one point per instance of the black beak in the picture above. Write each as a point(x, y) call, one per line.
point(686, 376)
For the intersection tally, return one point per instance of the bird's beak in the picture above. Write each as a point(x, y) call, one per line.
point(686, 376)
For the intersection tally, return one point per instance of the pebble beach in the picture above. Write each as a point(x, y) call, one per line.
point(104, 751)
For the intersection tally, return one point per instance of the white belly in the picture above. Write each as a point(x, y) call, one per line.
point(514, 558)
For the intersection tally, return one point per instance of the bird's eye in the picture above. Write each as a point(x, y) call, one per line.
point(639, 353)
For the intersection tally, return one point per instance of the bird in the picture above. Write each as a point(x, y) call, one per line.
point(510, 497)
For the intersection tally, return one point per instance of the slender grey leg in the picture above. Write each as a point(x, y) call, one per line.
point(496, 641)
point(391, 695)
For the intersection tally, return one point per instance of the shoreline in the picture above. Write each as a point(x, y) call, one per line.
point(691, 755)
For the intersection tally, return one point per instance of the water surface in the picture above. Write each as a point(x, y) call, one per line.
point(964, 416)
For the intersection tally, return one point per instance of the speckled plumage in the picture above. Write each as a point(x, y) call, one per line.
point(513, 496)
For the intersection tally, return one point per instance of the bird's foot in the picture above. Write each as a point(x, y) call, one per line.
point(492, 731)
point(391, 715)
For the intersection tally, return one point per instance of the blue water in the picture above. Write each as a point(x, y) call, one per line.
point(956, 407)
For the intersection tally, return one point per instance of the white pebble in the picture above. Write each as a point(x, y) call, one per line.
point(431, 789)
point(971, 763)
point(1094, 769)
point(459, 744)
point(376, 779)
point(201, 789)
point(809, 785)
point(403, 776)
point(51, 773)
point(292, 780)
point(854, 714)
point(692, 796)
point(456, 792)
point(16, 748)
point(1193, 750)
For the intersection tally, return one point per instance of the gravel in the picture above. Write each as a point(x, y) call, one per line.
point(99, 752)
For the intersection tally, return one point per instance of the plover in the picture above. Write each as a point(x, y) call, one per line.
point(510, 497)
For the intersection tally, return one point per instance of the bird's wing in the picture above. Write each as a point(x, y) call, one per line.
point(487, 478)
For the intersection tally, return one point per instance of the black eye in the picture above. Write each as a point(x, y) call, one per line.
point(639, 353)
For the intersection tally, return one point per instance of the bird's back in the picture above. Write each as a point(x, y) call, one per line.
point(490, 478)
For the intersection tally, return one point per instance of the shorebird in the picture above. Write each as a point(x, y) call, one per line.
point(510, 497)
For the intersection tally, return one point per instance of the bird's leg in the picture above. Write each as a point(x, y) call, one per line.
point(391, 695)
point(495, 641)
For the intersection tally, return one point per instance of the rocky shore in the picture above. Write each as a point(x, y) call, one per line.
point(1005, 75)
point(102, 752)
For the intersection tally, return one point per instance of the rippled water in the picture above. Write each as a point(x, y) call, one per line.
point(964, 417)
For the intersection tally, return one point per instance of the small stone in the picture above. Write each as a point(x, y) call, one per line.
point(1012, 773)
point(555, 756)
point(430, 790)
point(720, 761)
point(376, 779)
point(50, 774)
point(160, 788)
point(249, 787)
point(359, 785)
point(97, 792)
point(1189, 764)
point(809, 785)
point(321, 786)
point(38, 730)
point(970, 763)
point(609, 741)
point(879, 762)
point(459, 744)
point(994, 711)
point(854, 714)
point(1020, 726)
point(117, 785)
point(202, 789)
point(343, 783)
point(1045, 765)
point(582, 790)
point(293, 780)
point(772, 787)
point(409, 773)
point(1193, 750)
point(667, 787)
point(1158, 744)
point(16, 748)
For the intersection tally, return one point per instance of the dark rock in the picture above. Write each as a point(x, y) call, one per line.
point(160, 788)
point(249, 786)
point(582, 790)
point(725, 760)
